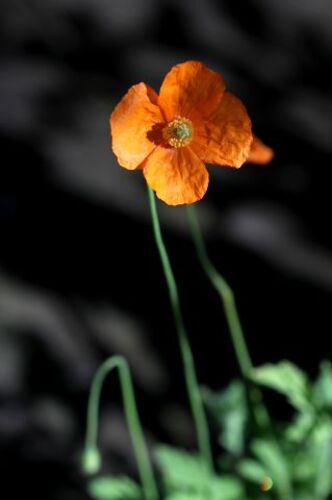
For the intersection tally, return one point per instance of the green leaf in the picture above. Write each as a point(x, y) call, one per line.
point(114, 488)
point(323, 484)
point(182, 470)
point(322, 431)
point(301, 427)
point(251, 470)
point(286, 378)
point(230, 410)
point(303, 495)
point(303, 464)
point(185, 496)
point(270, 456)
point(323, 386)
point(226, 488)
point(221, 488)
point(186, 478)
point(312, 460)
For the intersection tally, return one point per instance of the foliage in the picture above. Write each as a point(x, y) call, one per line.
point(291, 462)
point(231, 413)
point(297, 456)
point(114, 488)
point(186, 477)
point(286, 378)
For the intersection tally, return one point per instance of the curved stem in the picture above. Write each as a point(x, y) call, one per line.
point(195, 398)
point(226, 294)
point(132, 418)
point(233, 320)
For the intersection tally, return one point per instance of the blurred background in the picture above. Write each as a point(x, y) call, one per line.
point(80, 277)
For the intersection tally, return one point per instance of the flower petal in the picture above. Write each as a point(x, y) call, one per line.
point(177, 175)
point(260, 153)
point(190, 89)
point(131, 121)
point(225, 138)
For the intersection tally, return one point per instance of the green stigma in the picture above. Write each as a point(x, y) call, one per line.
point(182, 131)
point(179, 132)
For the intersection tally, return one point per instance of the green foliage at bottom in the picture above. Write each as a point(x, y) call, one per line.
point(186, 477)
point(296, 456)
point(286, 461)
point(114, 488)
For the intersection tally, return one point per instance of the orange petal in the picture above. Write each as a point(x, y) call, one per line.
point(131, 121)
point(177, 175)
point(259, 152)
point(190, 89)
point(225, 138)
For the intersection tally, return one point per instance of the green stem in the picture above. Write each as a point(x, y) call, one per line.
point(195, 398)
point(226, 294)
point(133, 422)
point(259, 410)
point(232, 316)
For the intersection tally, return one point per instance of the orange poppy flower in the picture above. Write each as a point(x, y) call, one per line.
point(170, 137)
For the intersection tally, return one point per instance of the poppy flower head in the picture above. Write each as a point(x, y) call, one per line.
point(171, 136)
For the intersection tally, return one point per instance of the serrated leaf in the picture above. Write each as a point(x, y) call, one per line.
point(251, 470)
point(114, 488)
point(229, 408)
point(270, 456)
point(286, 378)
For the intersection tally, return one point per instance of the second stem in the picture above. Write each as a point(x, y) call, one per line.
point(234, 324)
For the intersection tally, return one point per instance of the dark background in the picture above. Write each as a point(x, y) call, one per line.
point(80, 278)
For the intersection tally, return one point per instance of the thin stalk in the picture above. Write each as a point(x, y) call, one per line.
point(225, 292)
point(133, 421)
point(194, 393)
point(233, 320)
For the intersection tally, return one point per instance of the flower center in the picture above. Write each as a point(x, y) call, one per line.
point(179, 132)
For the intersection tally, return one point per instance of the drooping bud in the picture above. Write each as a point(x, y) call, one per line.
point(91, 460)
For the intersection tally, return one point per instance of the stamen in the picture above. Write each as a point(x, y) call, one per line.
point(179, 132)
